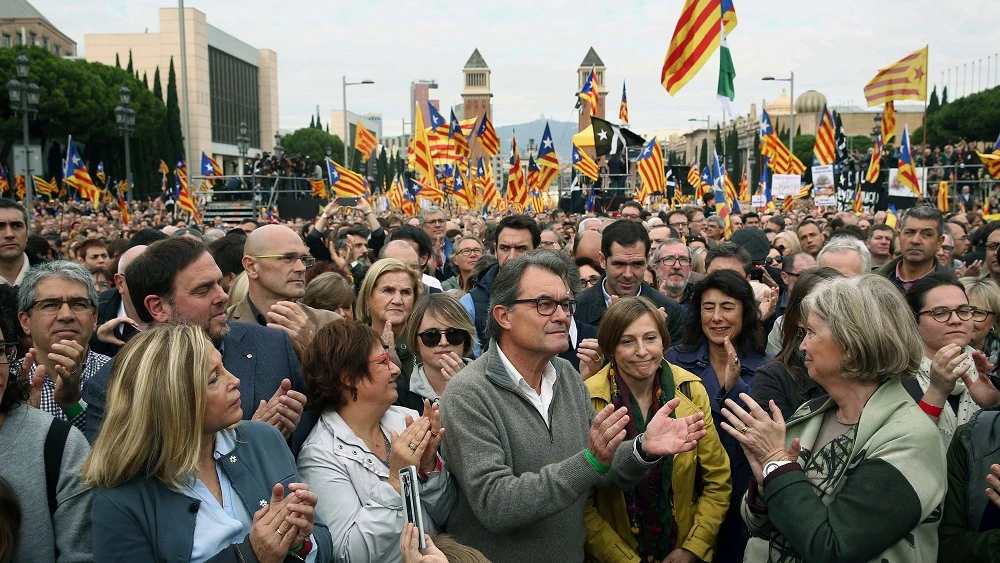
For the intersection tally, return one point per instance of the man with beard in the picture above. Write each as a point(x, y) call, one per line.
point(176, 281)
point(921, 234)
point(276, 260)
point(880, 244)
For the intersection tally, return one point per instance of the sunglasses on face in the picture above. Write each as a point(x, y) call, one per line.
point(432, 337)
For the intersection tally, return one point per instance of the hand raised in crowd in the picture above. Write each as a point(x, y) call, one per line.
point(668, 436)
point(591, 359)
point(289, 317)
point(969, 270)
point(67, 355)
point(432, 412)
point(762, 436)
point(947, 365)
point(451, 364)
point(270, 535)
point(680, 555)
point(768, 302)
point(106, 332)
point(606, 433)
point(994, 481)
point(34, 380)
point(331, 208)
point(363, 205)
point(301, 511)
point(732, 364)
point(409, 546)
point(283, 410)
point(982, 390)
point(408, 448)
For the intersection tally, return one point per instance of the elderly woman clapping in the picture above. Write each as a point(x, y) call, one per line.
point(855, 475)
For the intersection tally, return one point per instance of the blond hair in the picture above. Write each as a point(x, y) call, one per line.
point(790, 241)
point(155, 411)
point(988, 291)
point(239, 289)
point(871, 323)
point(384, 266)
point(458, 553)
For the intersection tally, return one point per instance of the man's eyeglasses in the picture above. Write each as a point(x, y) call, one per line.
point(470, 252)
point(965, 312)
point(52, 306)
point(992, 247)
point(682, 260)
point(679, 225)
point(290, 258)
point(434, 222)
point(9, 352)
point(454, 336)
point(591, 281)
point(547, 306)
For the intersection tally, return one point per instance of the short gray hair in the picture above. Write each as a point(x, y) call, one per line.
point(923, 213)
point(719, 221)
point(507, 284)
point(871, 323)
point(430, 210)
point(669, 242)
point(57, 269)
point(582, 226)
point(844, 243)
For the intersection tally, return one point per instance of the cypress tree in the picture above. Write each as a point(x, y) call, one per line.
point(145, 82)
point(312, 122)
point(157, 85)
point(129, 67)
point(318, 124)
point(944, 96)
point(118, 62)
point(703, 161)
point(798, 131)
point(173, 118)
point(934, 102)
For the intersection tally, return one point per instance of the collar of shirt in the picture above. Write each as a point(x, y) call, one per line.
point(20, 274)
point(540, 400)
point(908, 283)
point(607, 296)
point(420, 385)
point(261, 319)
point(574, 333)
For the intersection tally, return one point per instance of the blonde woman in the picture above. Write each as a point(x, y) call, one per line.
point(178, 476)
point(385, 300)
point(440, 334)
point(786, 243)
point(984, 295)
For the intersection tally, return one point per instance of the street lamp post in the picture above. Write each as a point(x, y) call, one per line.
point(24, 97)
point(344, 108)
point(243, 146)
point(791, 117)
point(125, 118)
point(708, 128)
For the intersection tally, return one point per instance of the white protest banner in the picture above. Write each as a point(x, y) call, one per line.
point(785, 185)
point(824, 192)
point(897, 189)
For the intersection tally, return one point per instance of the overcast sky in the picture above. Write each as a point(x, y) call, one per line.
point(534, 48)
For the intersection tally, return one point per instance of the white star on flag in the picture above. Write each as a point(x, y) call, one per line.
point(603, 135)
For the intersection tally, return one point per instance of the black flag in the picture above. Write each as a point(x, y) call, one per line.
point(611, 139)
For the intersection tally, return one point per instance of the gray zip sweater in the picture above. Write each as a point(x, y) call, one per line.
point(523, 486)
point(22, 465)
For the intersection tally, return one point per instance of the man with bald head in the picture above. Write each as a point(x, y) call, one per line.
point(115, 304)
point(588, 245)
point(276, 260)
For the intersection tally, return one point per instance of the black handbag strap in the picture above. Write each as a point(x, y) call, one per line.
point(55, 444)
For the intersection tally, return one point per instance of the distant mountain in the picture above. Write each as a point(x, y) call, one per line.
point(562, 136)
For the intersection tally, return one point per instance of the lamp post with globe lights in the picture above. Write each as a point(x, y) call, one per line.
point(125, 119)
point(24, 99)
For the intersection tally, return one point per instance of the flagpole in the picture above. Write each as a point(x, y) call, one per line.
point(188, 134)
point(923, 145)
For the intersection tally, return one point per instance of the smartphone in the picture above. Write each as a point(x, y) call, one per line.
point(757, 273)
point(409, 489)
point(347, 201)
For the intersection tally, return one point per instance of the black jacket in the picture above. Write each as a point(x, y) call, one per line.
point(590, 307)
point(108, 303)
point(480, 295)
point(773, 382)
point(583, 330)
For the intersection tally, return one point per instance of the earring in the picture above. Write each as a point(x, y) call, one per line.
point(354, 394)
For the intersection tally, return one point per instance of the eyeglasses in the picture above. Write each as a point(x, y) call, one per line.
point(9, 352)
point(547, 306)
point(434, 222)
point(965, 312)
point(52, 306)
point(780, 248)
point(382, 358)
point(471, 252)
point(630, 216)
point(682, 260)
point(679, 225)
point(454, 336)
point(290, 258)
point(992, 247)
point(591, 281)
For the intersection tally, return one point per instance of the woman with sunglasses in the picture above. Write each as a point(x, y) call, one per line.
point(786, 243)
point(949, 386)
point(440, 334)
point(353, 455)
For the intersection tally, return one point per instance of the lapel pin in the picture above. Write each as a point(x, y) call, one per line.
point(249, 355)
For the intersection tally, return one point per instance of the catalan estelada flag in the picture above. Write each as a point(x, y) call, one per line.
point(318, 188)
point(422, 161)
point(905, 79)
point(19, 187)
point(484, 171)
point(875, 164)
point(781, 160)
point(696, 37)
point(694, 178)
point(517, 190)
point(589, 92)
point(75, 174)
point(100, 173)
point(906, 173)
point(744, 194)
point(650, 166)
point(888, 121)
point(825, 149)
point(182, 194)
point(364, 141)
point(548, 161)
point(343, 182)
point(623, 110)
point(462, 191)
point(209, 167)
point(584, 164)
point(46, 188)
point(990, 161)
point(532, 173)
point(488, 137)
point(890, 216)
point(717, 179)
point(4, 182)
point(396, 194)
point(943, 198)
point(457, 141)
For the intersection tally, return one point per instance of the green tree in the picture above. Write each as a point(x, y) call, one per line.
point(129, 67)
point(382, 175)
point(720, 148)
point(703, 160)
point(174, 136)
point(755, 163)
point(145, 82)
point(157, 85)
point(944, 96)
point(118, 63)
point(313, 142)
point(975, 118)
point(934, 104)
point(319, 125)
point(312, 122)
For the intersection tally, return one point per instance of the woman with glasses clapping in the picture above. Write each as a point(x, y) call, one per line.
point(950, 385)
point(439, 333)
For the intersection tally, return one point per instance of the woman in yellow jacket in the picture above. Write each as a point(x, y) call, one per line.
point(673, 515)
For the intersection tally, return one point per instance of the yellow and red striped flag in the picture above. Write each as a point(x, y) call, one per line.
point(992, 161)
point(422, 161)
point(487, 136)
point(905, 79)
point(548, 161)
point(650, 165)
point(589, 92)
point(943, 198)
point(825, 149)
point(364, 141)
point(122, 204)
point(46, 188)
point(517, 190)
point(491, 199)
point(623, 110)
point(694, 178)
point(19, 187)
point(184, 199)
point(318, 187)
point(696, 37)
point(875, 164)
point(584, 164)
point(343, 182)
point(907, 173)
point(782, 161)
point(744, 194)
point(888, 122)
point(858, 203)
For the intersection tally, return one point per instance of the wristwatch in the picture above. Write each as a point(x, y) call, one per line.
point(773, 465)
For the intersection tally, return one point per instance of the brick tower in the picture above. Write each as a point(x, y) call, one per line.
point(591, 62)
point(476, 96)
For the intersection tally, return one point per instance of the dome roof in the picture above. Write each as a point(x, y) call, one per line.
point(810, 101)
point(782, 105)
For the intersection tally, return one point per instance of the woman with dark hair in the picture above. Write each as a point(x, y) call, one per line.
point(724, 345)
point(440, 334)
point(784, 379)
point(353, 455)
point(590, 271)
point(949, 386)
point(10, 522)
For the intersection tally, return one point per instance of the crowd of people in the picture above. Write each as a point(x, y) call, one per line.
point(649, 385)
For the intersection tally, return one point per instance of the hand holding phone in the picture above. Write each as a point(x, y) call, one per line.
point(409, 490)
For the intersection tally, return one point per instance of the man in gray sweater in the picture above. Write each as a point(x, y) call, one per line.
point(523, 439)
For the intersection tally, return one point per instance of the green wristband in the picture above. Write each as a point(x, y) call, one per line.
point(73, 411)
point(596, 463)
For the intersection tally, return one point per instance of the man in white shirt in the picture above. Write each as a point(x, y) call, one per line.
point(13, 239)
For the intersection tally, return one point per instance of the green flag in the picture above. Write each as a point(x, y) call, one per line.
point(727, 74)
